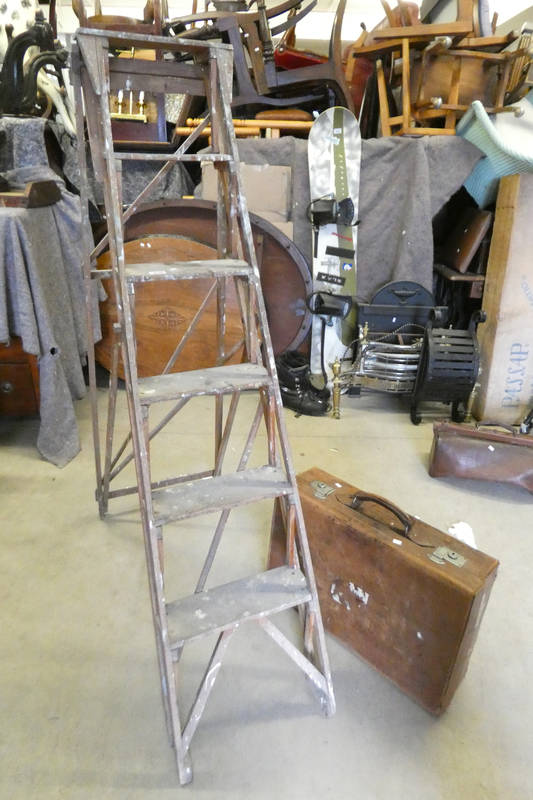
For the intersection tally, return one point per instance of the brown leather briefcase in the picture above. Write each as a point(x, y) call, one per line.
point(403, 595)
point(487, 451)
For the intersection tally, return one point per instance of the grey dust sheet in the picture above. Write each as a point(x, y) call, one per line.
point(404, 182)
point(42, 301)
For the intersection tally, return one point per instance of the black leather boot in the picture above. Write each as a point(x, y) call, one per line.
point(297, 392)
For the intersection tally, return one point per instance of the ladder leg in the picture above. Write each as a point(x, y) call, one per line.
point(91, 301)
point(155, 575)
point(224, 82)
point(111, 413)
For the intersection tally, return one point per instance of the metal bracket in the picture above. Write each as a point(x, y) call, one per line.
point(443, 554)
point(321, 489)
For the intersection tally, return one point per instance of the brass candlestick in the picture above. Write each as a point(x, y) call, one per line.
point(336, 367)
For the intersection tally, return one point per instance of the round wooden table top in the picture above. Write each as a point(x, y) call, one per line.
point(178, 230)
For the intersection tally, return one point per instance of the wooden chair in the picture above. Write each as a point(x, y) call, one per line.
point(153, 132)
point(519, 78)
point(155, 11)
point(261, 83)
point(443, 67)
point(466, 24)
point(440, 83)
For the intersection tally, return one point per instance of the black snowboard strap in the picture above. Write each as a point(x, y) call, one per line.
point(341, 252)
point(346, 212)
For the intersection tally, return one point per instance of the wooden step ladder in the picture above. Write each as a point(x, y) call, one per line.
point(203, 69)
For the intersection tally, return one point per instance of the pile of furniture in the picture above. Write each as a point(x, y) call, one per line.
point(427, 75)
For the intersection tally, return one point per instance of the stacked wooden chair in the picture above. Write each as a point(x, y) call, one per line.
point(439, 69)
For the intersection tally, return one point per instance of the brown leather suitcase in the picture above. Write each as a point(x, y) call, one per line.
point(404, 596)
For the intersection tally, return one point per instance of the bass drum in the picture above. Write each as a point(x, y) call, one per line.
point(185, 230)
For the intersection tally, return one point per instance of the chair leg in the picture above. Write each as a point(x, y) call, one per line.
point(406, 87)
point(384, 113)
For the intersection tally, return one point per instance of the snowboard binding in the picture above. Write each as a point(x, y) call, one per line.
point(329, 211)
point(328, 306)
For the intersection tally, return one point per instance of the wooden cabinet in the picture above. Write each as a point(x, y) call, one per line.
point(19, 381)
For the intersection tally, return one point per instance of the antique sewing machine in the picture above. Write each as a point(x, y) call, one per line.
point(19, 91)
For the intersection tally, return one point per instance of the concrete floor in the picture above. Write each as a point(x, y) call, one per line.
point(80, 701)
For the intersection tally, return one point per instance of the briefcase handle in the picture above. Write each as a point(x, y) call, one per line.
point(405, 519)
point(488, 424)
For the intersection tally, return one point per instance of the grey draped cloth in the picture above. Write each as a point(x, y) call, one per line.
point(42, 300)
point(135, 174)
point(41, 284)
point(404, 182)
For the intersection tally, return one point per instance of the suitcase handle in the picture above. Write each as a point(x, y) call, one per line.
point(496, 425)
point(404, 518)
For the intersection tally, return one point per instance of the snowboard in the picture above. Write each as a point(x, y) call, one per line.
point(334, 156)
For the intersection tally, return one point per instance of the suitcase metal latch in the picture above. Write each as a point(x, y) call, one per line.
point(443, 554)
point(321, 489)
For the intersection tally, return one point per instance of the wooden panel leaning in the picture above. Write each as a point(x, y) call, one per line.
point(401, 594)
point(505, 391)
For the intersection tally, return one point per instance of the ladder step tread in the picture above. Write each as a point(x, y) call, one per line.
point(218, 492)
point(191, 157)
point(186, 270)
point(223, 606)
point(208, 381)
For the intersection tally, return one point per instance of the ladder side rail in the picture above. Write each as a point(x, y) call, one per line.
point(155, 575)
point(92, 80)
point(95, 127)
point(104, 140)
point(249, 252)
point(288, 517)
point(222, 239)
point(240, 219)
point(224, 75)
point(227, 208)
point(223, 218)
point(86, 264)
point(314, 615)
point(97, 148)
point(102, 143)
